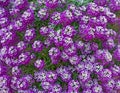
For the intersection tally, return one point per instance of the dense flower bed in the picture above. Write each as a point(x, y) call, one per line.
point(60, 46)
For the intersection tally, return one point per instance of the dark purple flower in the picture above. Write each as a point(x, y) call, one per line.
point(4, 3)
point(66, 17)
point(3, 70)
point(51, 4)
point(92, 9)
point(101, 2)
point(109, 44)
point(20, 4)
point(116, 54)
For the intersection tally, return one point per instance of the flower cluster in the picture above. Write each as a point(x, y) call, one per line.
point(54, 46)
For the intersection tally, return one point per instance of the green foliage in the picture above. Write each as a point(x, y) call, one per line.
point(28, 69)
point(80, 2)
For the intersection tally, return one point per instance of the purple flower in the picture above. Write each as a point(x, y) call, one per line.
point(87, 91)
point(19, 25)
point(12, 51)
point(54, 52)
point(51, 4)
point(3, 70)
point(105, 75)
point(74, 60)
point(55, 18)
point(46, 85)
point(117, 84)
point(16, 71)
point(97, 89)
point(111, 17)
point(114, 5)
point(30, 34)
point(98, 67)
point(22, 83)
point(66, 76)
point(87, 33)
point(79, 67)
point(56, 89)
point(72, 7)
point(109, 44)
point(43, 14)
point(28, 16)
point(109, 85)
point(21, 46)
point(20, 4)
point(4, 81)
point(39, 64)
point(4, 21)
point(71, 50)
point(58, 39)
point(4, 3)
point(44, 31)
point(115, 70)
point(24, 58)
point(51, 76)
point(64, 56)
point(8, 38)
point(68, 31)
point(116, 54)
point(37, 46)
point(92, 9)
point(101, 2)
point(74, 85)
point(84, 75)
point(66, 17)
point(84, 19)
point(67, 41)
point(40, 76)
